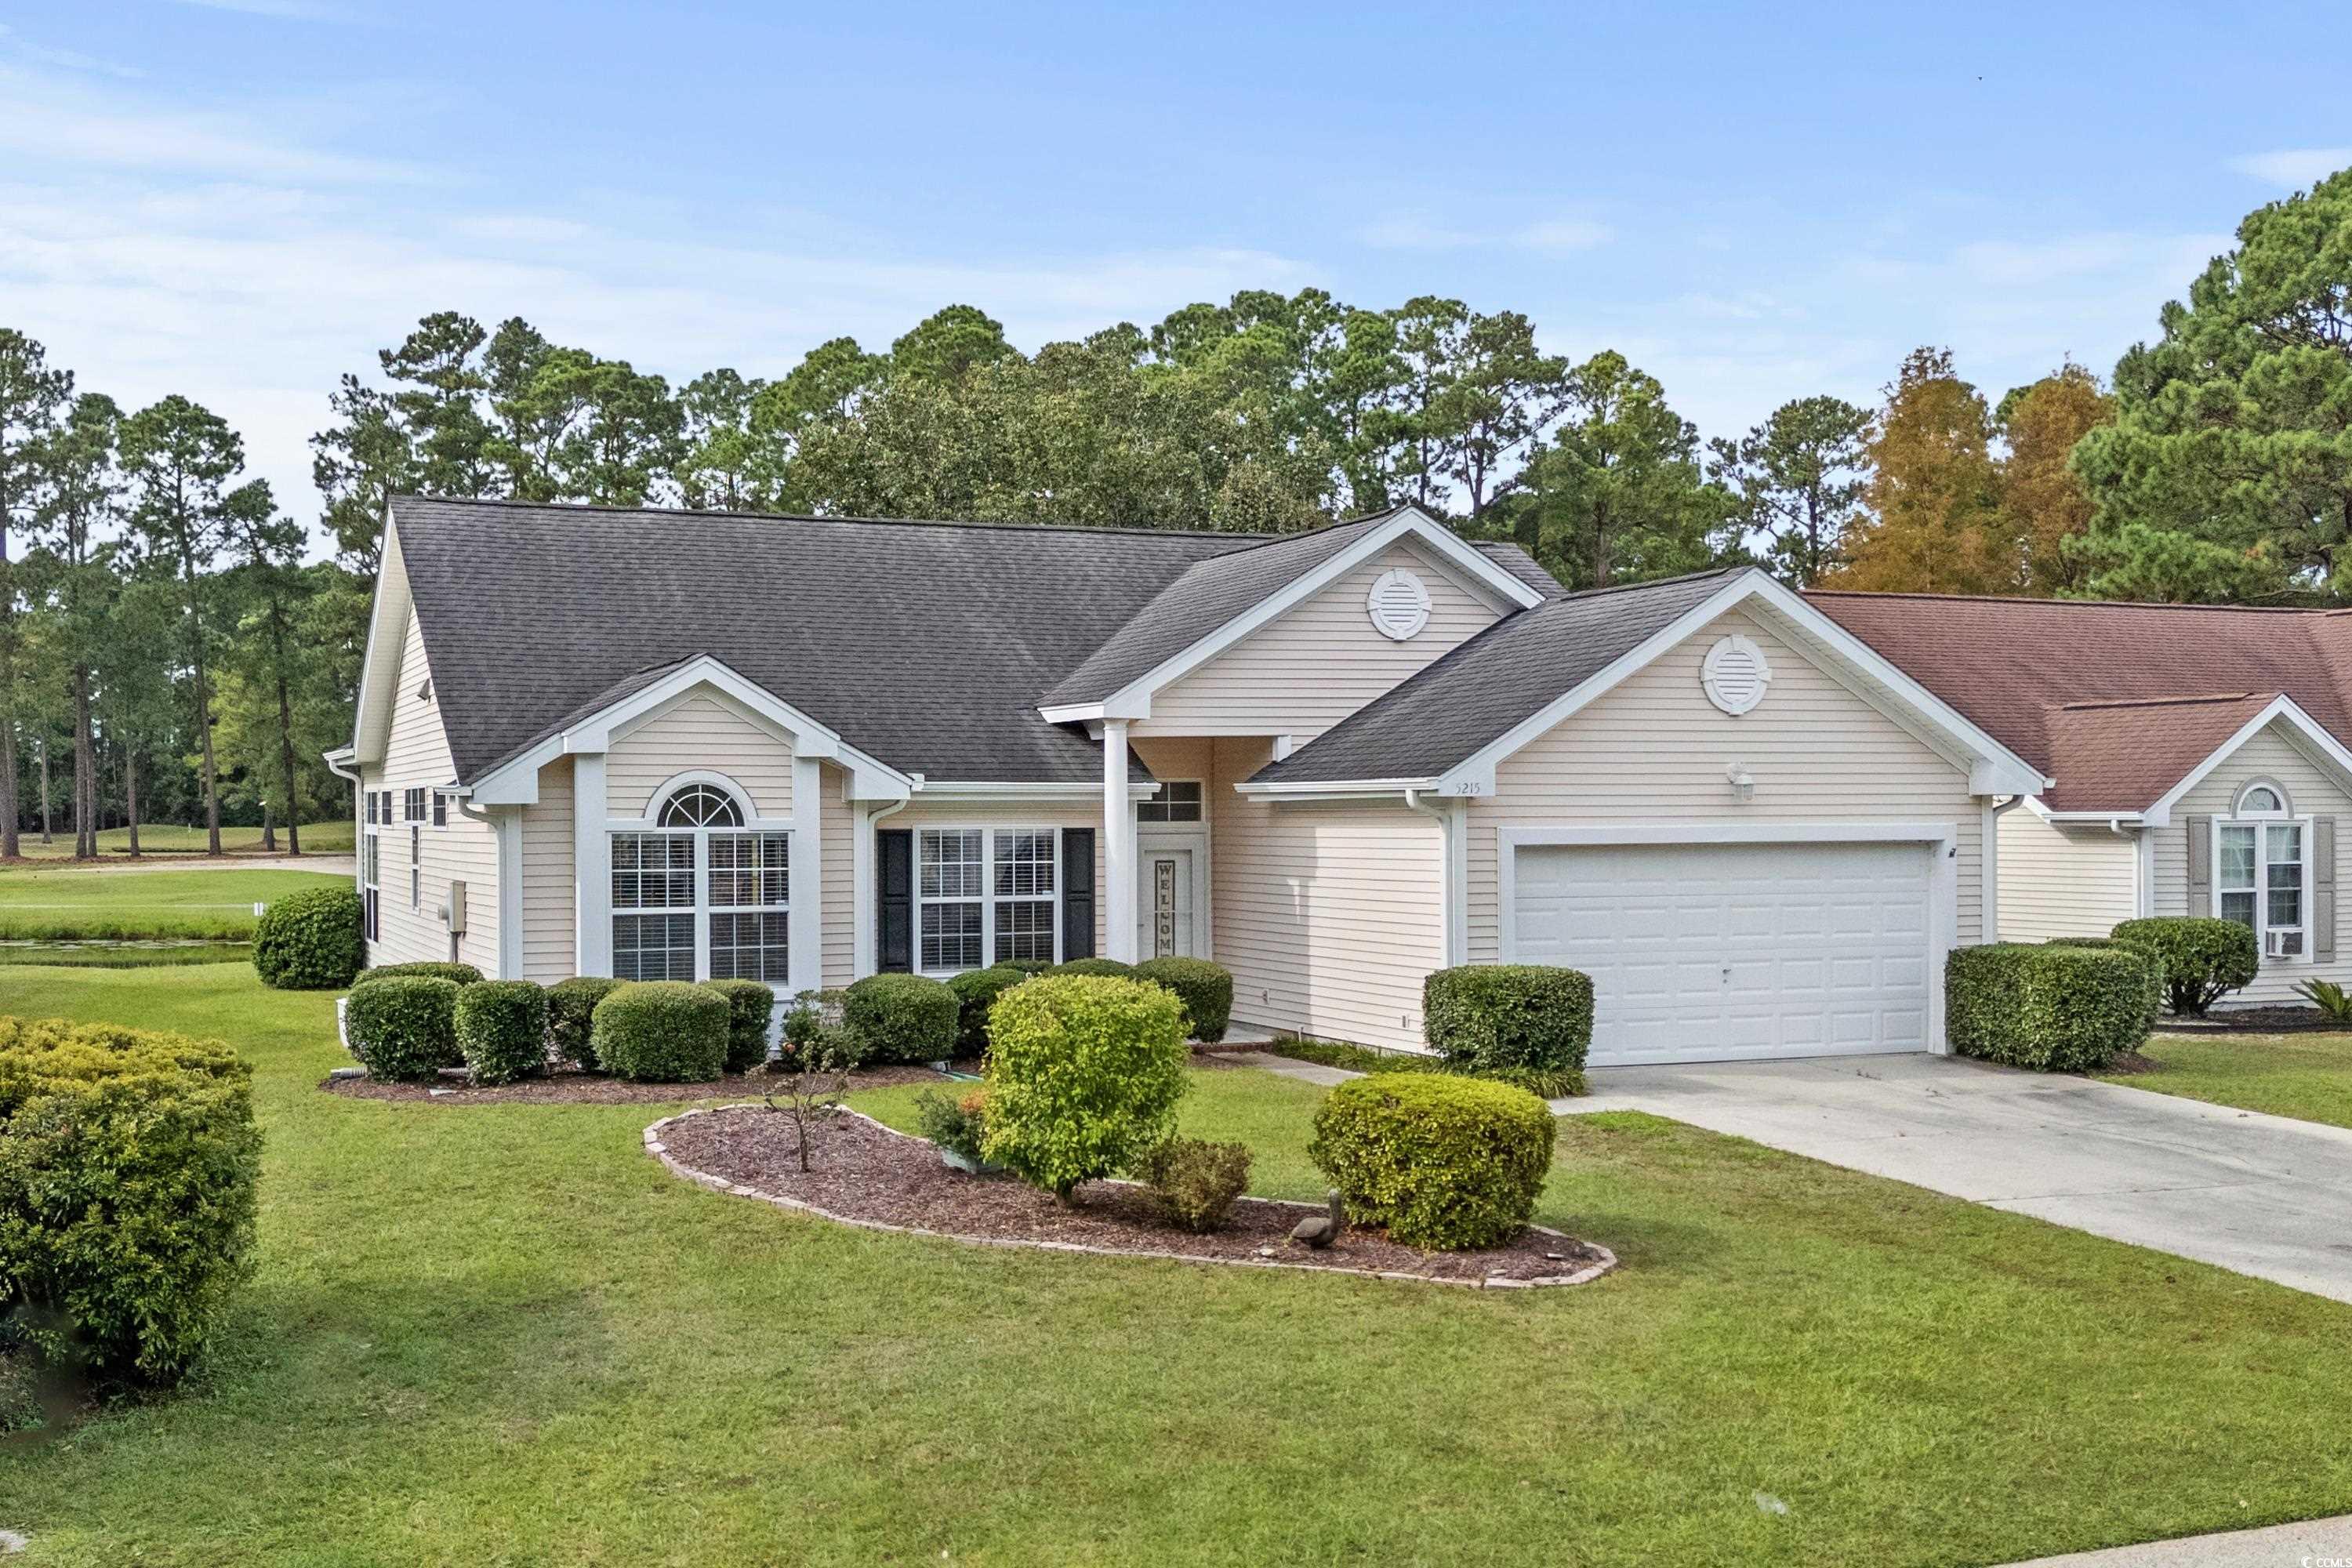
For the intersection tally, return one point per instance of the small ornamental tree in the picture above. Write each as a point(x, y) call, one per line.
point(2203, 960)
point(1083, 1074)
point(812, 1069)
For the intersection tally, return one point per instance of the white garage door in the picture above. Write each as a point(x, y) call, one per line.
point(1716, 952)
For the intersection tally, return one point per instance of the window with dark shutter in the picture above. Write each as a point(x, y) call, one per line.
point(893, 903)
point(1077, 894)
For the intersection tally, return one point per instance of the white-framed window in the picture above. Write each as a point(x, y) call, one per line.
point(415, 867)
point(413, 803)
point(440, 809)
point(699, 895)
point(1179, 800)
point(371, 872)
point(2261, 871)
point(984, 895)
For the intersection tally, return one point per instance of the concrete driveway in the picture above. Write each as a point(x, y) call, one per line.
point(2261, 1195)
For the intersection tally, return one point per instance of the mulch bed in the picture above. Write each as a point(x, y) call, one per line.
point(2251, 1021)
point(865, 1175)
point(571, 1087)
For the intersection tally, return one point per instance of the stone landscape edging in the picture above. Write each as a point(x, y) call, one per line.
point(660, 1151)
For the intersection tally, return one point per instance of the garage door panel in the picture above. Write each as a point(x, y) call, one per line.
point(1709, 951)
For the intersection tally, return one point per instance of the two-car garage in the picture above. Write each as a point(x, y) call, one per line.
point(1814, 944)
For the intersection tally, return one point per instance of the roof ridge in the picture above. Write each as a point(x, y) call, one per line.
point(1575, 594)
point(1246, 541)
point(2180, 702)
point(2070, 604)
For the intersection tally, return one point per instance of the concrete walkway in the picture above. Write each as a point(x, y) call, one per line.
point(2261, 1195)
point(2313, 1544)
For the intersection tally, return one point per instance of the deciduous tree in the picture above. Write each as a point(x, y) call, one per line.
point(1934, 522)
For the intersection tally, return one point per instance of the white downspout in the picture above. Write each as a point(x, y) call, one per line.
point(1454, 879)
point(1992, 853)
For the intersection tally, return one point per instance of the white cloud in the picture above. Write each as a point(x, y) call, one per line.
point(2293, 167)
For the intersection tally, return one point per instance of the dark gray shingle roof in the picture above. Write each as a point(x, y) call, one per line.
point(1478, 691)
point(923, 643)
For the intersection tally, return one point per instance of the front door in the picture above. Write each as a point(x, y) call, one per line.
point(1163, 923)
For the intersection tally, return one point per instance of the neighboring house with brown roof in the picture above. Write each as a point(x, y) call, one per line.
point(663, 743)
point(2198, 757)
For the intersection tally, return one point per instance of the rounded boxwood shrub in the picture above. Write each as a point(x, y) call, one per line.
point(661, 1031)
point(1206, 990)
point(1528, 1024)
point(2203, 960)
point(129, 1164)
point(1101, 968)
point(404, 1029)
point(1083, 1074)
point(749, 1006)
point(462, 973)
point(2053, 1008)
point(502, 1029)
point(901, 1018)
point(1442, 1162)
point(570, 1006)
point(1025, 966)
point(976, 990)
point(309, 941)
point(1196, 1181)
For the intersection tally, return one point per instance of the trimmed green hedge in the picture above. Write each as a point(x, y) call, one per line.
point(129, 1167)
point(1526, 1023)
point(751, 1005)
point(309, 941)
point(502, 1027)
point(1025, 966)
point(2202, 959)
point(1102, 968)
point(1083, 1074)
point(901, 1018)
point(1442, 1161)
point(662, 1031)
point(2156, 988)
point(2053, 1008)
point(976, 990)
point(404, 1029)
point(462, 973)
point(1206, 990)
point(571, 1008)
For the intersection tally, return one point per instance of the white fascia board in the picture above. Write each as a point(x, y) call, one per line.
point(1346, 789)
point(2312, 738)
point(516, 782)
point(387, 628)
point(967, 790)
point(1133, 700)
point(1994, 768)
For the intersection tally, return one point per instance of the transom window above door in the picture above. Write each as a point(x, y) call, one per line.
point(2261, 876)
point(698, 897)
point(1179, 800)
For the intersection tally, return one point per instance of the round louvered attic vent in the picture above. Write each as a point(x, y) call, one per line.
point(1734, 675)
point(1399, 605)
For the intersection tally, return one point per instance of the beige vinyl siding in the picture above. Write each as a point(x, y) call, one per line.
point(1058, 814)
point(417, 756)
point(2312, 791)
point(1328, 915)
point(1306, 671)
point(550, 947)
point(2060, 880)
point(701, 731)
point(836, 834)
point(1656, 750)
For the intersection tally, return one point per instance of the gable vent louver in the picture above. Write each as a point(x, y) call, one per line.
point(1399, 605)
point(1734, 675)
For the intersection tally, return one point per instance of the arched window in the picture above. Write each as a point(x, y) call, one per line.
point(698, 897)
point(2261, 869)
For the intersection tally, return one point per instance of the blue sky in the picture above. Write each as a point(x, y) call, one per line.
point(241, 199)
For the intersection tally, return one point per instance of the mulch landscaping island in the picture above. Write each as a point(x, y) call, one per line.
point(864, 1174)
point(595, 1089)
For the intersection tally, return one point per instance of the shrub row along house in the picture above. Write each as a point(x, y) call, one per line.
point(661, 744)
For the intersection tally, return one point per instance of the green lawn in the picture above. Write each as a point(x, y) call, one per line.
point(504, 1335)
point(171, 838)
point(2308, 1076)
point(72, 902)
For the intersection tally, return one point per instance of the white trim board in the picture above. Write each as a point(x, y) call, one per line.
point(1133, 700)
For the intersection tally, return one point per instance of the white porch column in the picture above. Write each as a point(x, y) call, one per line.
point(806, 921)
point(1118, 846)
point(591, 865)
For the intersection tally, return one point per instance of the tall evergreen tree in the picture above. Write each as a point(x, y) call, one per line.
point(31, 397)
point(73, 566)
point(1798, 480)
